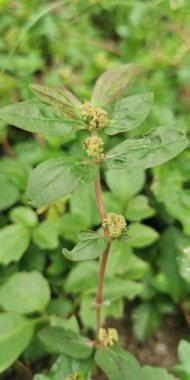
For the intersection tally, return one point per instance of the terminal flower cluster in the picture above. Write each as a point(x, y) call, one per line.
point(94, 117)
point(116, 224)
point(94, 147)
point(108, 337)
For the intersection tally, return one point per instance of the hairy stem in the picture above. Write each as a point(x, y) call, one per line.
point(105, 254)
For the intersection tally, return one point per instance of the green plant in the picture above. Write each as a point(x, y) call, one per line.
point(60, 113)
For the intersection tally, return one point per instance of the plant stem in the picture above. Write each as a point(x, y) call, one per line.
point(105, 254)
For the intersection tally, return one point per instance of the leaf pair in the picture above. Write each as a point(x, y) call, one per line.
point(58, 111)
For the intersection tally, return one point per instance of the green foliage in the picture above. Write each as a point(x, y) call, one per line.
point(59, 340)
point(111, 84)
point(65, 366)
point(146, 319)
point(183, 368)
point(90, 246)
point(149, 263)
point(15, 334)
point(25, 293)
point(118, 364)
point(159, 146)
point(152, 373)
point(56, 178)
point(34, 116)
point(129, 113)
point(14, 241)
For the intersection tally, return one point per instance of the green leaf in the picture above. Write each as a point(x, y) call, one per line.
point(184, 263)
point(118, 364)
point(121, 288)
point(90, 246)
point(25, 293)
point(15, 334)
point(24, 216)
point(171, 245)
point(183, 353)
point(76, 282)
point(146, 319)
point(67, 324)
point(153, 373)
point(111, 84)
point(70, 224)
point(45, 235)
point(129, 113)
point(138, 209)
point(123, 262)
point(83, 202)
point(9, 193)
point(65, 366)
point(14, 241)
point(59, 340)
point(55, 178)
point(124, 183)
point(87, 312)
point(168, 188)
point(60, 98)
point(34, 116)
point(142, 235)
point(155, 148)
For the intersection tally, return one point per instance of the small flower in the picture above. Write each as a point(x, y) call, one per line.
point(94, 147)
point(116, 224)
point(94, 117)
point(107, 337)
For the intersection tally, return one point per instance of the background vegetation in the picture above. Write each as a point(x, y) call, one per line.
point(71, 44)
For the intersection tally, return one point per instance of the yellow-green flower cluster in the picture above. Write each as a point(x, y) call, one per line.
point(94, 117)
point(94, 147)
point(71, 377)
point(116, 224)
point(107, 337)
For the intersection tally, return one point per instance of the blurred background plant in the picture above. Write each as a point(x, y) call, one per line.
point(70, 43)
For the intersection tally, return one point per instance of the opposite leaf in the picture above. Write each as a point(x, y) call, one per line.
point(38, 117)
point(15, 334)
point(59, 340)
point(55, 178)
point(129, 113)
point(90, 246)
point(60, 98)
point(111, 84)
point(118, 364)
point(155, 148)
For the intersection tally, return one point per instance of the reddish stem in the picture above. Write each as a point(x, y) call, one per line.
point(105, 254)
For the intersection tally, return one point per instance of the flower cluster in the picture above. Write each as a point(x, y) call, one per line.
point(71, 377)
point(107, 337)
point(94, 147)
point(94, 117)
point(116, 224)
